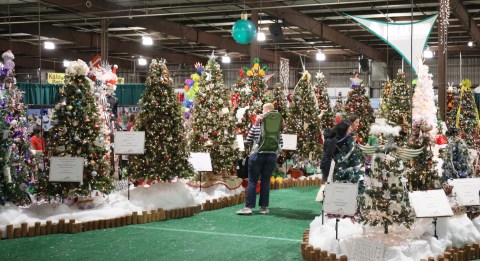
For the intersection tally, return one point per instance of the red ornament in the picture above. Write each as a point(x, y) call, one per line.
point(202, 100)
point(215, 133)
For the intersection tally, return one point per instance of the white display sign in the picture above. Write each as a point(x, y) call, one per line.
point(129, 142)
point(289, 141)
point(200, 161)
point(240, 143)
point(467, 191)
point(340, 199)
point(430, 203)
point(66, 169)
point(368, 250)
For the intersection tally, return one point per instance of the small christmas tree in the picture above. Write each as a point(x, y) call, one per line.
point(76, 133)
point(213, 124)
point(456, 160)
point(399, 103)
point(467, 121)
point(385, 201)
point(279, 99)
point(166, 154)
point(387, 86)
point(452, 106)
point(349, 163)
point(339, 108)
point(358, 103)
point(302, 121)
point(16, 159)
point(326, 120)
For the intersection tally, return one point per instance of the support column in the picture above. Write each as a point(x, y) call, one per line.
point(104, 40)
point(441, 63)
point(254, 45)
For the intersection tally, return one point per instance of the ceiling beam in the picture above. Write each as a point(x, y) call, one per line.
point(293, 17)
point(459, 10)
point(176, 29)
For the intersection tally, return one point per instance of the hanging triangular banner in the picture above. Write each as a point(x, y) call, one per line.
point(399, 36)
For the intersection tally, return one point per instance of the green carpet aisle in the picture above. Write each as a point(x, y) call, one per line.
point(211, 235)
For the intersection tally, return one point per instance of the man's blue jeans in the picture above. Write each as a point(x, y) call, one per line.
point(260, 165)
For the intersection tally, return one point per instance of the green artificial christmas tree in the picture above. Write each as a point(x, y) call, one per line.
point(399, 102)
point(279, 99)
point(358, 103)
point(213, 123)
point(452, 107)
point(16, 159)
point(467, 120)
point(166, 154)
point(77, 133)
point(349, 163)
point(326, 113)
point(302, 120)
point(339, 108)
point(456, 160)
point(385, 201)
point(387, 86)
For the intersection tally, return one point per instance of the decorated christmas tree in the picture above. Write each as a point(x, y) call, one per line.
point(253, 94)
point(16, 158)
point(349, 163)
point(399, 103)
point(387, 86)
point(421, 172)
point(326, 113)
point(358, 103)
point(77, 133)
point(213, 123)
point(191, 87)
point(452, 106)
point(339, 108)
point(467, 121)
point(302, 121)
point(456, 160)
point(279, 99)
point(166, 154)
point(385, 201)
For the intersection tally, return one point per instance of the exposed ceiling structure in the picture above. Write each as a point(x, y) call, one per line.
point(186, 31)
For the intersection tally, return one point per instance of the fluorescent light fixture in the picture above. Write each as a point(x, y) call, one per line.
point(320, 56)
point(261, 35)
point(225, 58)
point(66, 63)
point(427, 53)
point(49, 45)
point(147, 40)
point(470, 44)
point(142, 61)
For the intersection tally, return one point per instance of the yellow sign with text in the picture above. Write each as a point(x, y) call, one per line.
point(120, 80)
point(56, 78)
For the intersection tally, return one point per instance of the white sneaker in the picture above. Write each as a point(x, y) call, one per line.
point(245, 211)
point(263, 211)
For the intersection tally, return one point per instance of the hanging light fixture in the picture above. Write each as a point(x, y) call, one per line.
point(142, 61)
point(147, 40)
point(225, 58)
point(427, 53)
point(470, 43)
point(49, 45)
point(320, 56)
point(261, 35)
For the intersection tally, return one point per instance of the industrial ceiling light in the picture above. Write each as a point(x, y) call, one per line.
point(225, 58)
point(261, 35)
point(49, 45)
point(142, 61)
point(470, 44)
point(428, 53)
point(66, 63)
point(320, 56)
point(147, 40)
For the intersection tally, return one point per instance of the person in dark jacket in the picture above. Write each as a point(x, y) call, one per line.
point(334, 139)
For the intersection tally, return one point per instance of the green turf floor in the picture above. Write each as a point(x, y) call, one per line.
point(211, 235)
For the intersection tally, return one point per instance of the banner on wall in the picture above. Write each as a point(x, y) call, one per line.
point(408, 39)
point(56, 78)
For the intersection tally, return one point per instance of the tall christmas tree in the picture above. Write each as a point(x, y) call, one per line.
point(467, 121)
point(399, 103)
point(358, 103)
point(339, 107)
point(452, 106)
point(385, 201)
point(279, 99)
point(213, 122)
point(326, 113)
point(16, 159)
point(302, 121)
point(160, 117)
point(76, 133)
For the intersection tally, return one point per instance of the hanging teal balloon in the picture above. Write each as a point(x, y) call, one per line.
point(244, 31)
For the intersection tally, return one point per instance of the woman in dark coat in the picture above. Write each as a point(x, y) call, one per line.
point(335, 138)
